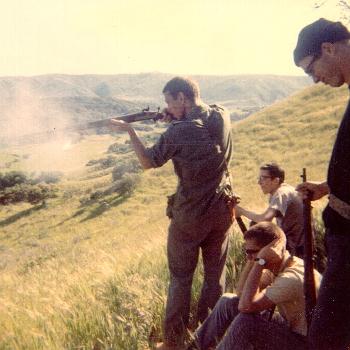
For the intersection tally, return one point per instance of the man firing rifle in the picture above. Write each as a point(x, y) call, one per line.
point(199, 143)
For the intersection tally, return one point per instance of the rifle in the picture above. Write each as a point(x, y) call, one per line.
point(309, 278)
point(145, 114)
point(241, 224)
point(233, 200)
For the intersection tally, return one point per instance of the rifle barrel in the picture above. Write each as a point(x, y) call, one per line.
point(128, 118)
point(41, 136)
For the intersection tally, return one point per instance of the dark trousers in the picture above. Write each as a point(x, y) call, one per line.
point(184, 244)
point(330, 327)
point(228, 329)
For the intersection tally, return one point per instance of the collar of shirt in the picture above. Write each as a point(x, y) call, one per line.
point(197, 111)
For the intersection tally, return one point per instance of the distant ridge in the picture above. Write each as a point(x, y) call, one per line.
point(70, 99)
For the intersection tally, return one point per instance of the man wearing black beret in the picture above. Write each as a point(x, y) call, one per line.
point(323, 52)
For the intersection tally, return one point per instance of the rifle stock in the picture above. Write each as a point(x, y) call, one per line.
point(309, 278)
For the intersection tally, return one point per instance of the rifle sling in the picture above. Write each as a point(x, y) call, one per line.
point(339, 206)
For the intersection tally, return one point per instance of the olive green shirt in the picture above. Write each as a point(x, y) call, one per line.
point(198, 146)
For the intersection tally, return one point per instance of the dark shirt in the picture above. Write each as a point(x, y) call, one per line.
point(339, 176)
point(194, 145)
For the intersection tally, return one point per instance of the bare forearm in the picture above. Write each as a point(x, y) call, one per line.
point(243, 277)
point(251, 288)
point(140, 150)
point(313, 190)
point(254, 216)
point(265, 280)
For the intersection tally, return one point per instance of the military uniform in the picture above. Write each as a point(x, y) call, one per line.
point(200, 147)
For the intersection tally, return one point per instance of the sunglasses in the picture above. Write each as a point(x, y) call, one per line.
point(263, 177)
point(251, 251)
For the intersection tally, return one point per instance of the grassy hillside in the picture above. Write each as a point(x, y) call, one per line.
point(89, 272)
point(296, 132)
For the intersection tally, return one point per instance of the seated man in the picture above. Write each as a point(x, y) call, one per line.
point(284, 204)
point(238, 322)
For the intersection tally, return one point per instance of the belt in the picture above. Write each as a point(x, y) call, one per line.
point(341, 207)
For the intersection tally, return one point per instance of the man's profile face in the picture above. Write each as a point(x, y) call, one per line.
point(176, 106)
point(251, 248)
point(323, 68)
point(267, 183)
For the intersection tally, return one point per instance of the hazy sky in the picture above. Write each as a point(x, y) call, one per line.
point(173, 36)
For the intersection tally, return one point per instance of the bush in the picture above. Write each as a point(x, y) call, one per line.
point(131, 166)
point(96, 195)
point(124, 187)
point(119, 148)
point(127, 185)
point(108, 162)
point(32, 194)
point(12, 178)
point(103, 163)
point(49, 177)
point(16, 186)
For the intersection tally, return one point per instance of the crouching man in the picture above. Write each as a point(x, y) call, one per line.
point(271, 277)
point(284, 204)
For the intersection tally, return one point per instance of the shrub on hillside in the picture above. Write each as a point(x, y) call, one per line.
point(119, 148)
point(96, 195)
point(123, 167)
point(102, 163)
point(12, 178)
point(123, 187)
point(48, 177)
point(127, 185)
point(32, 194)
point(108, 162)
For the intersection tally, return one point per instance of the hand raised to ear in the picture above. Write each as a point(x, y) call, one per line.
point(274, 251)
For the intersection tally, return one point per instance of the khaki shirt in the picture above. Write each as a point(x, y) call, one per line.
point(287, 292)
point(289, 206)
point(198, 146)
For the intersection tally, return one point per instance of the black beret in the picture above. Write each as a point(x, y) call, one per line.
point(312, 37)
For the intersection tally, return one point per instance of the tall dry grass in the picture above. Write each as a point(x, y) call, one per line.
point(80, 274)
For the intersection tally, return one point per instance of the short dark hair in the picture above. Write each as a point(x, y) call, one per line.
point(312, 37)
point(274, 170)
point(264, 233)
point(185, 85)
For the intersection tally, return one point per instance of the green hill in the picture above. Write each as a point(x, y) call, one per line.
point(296, 132)
point(87, 269)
